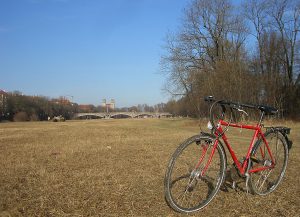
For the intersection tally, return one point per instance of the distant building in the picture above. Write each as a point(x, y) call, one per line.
point(109, 105)
point(3, 102)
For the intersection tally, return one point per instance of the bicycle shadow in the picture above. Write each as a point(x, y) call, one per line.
point(209, 182)
point(189, 188)
point(233, 181)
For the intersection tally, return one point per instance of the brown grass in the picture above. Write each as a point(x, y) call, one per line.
point(116, 168)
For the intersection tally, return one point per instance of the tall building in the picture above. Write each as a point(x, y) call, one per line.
point(109, 106)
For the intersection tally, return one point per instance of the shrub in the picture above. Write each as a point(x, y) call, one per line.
point(34, 117)
point(21, 116)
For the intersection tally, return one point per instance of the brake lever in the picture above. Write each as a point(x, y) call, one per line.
point(241, 110)
point(245, 113)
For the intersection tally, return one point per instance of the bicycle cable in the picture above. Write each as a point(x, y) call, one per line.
point(214, 128)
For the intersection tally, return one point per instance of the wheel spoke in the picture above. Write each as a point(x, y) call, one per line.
point(263, 178)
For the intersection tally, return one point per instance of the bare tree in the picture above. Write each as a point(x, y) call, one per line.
point(256, 11)
point(285, 15)
point(208, 55)
point(211, 33)
point(276, 26)
point(211, 29)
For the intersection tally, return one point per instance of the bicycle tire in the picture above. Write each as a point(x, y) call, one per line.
point(181, 169)
point(266, 181)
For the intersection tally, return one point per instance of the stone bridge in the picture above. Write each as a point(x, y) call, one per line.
point(122, 115)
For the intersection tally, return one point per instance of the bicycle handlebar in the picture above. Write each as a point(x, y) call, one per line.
point(263, 108)
point(229, 103)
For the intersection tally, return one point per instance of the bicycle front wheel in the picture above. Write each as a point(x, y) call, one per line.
point(194, 174)
point(265, 181)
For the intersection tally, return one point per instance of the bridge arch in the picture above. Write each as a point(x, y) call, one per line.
point(89, 116)
point(144, 115)
point(120, 116)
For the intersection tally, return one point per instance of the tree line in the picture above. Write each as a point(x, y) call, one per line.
point(247, 53)
point(16, 106)
point(19, 107)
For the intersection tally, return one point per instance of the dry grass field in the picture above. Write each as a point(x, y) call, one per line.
point(116, 168)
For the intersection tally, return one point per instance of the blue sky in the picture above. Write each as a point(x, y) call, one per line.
point(88, 49)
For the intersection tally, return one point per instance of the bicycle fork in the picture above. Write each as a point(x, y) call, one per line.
point(197, 171)
point(214, 146)
point(201, 167)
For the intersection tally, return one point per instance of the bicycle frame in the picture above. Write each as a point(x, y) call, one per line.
point(258, 134)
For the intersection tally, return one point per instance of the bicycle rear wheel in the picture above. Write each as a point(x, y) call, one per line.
point(266, 181)
point(187, 188)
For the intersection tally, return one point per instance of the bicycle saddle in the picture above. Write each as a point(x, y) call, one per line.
point(269, 110)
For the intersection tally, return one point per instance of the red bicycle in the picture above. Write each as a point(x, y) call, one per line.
point(197, 168)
